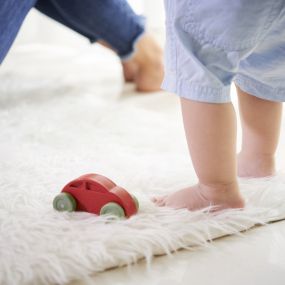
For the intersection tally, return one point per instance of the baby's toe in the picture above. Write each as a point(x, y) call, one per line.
point(158, 200)
point(161, 202)
point(154, 199)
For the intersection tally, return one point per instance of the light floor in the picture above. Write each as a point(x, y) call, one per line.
point(257, 257)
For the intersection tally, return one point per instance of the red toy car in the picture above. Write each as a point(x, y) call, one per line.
point(96, 194)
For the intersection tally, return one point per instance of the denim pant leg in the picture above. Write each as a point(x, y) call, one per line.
point(12, 15)
point(113, 21)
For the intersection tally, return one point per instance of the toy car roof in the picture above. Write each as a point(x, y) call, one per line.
point(92, 181)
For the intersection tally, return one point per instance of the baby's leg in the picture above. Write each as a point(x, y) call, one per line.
point(261, 121)
point(211, 136)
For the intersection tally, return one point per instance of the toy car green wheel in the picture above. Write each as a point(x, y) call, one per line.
point(64, 202)
point(136, 202)
point(113, 209)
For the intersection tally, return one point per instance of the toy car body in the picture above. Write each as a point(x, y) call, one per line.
point(96, 194)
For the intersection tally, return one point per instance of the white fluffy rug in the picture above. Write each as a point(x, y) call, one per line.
point(64, 113)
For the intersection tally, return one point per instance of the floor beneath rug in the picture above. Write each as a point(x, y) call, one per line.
point(257, 258)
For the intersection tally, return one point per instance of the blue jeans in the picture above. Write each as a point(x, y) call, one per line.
point(110, 20)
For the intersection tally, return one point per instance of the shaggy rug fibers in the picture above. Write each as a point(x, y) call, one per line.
point(64, 113)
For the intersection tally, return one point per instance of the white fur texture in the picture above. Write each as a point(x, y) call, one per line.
point(62, 115)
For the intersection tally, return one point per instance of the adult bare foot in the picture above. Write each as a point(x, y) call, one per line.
point(130, 69)
point(201, 196)
point(145, 67)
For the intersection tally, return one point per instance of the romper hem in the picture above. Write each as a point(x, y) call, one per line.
point(196, 91)
point(258, 89)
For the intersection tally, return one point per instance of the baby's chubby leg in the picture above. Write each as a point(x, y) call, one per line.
point(211, 135)
point(202, 68)
point(261, 120)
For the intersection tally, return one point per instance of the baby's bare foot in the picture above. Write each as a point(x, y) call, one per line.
point(201, 196)
point(255, 165)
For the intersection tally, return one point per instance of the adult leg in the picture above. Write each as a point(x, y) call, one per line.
point(12, 15)
point(114, 24)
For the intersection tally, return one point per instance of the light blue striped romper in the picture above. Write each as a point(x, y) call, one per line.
point(211, 43)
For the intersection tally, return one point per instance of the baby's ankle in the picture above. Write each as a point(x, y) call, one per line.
point(256, 165)
point(226, 194)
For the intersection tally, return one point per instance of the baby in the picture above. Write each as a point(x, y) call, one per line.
point(210, 44)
